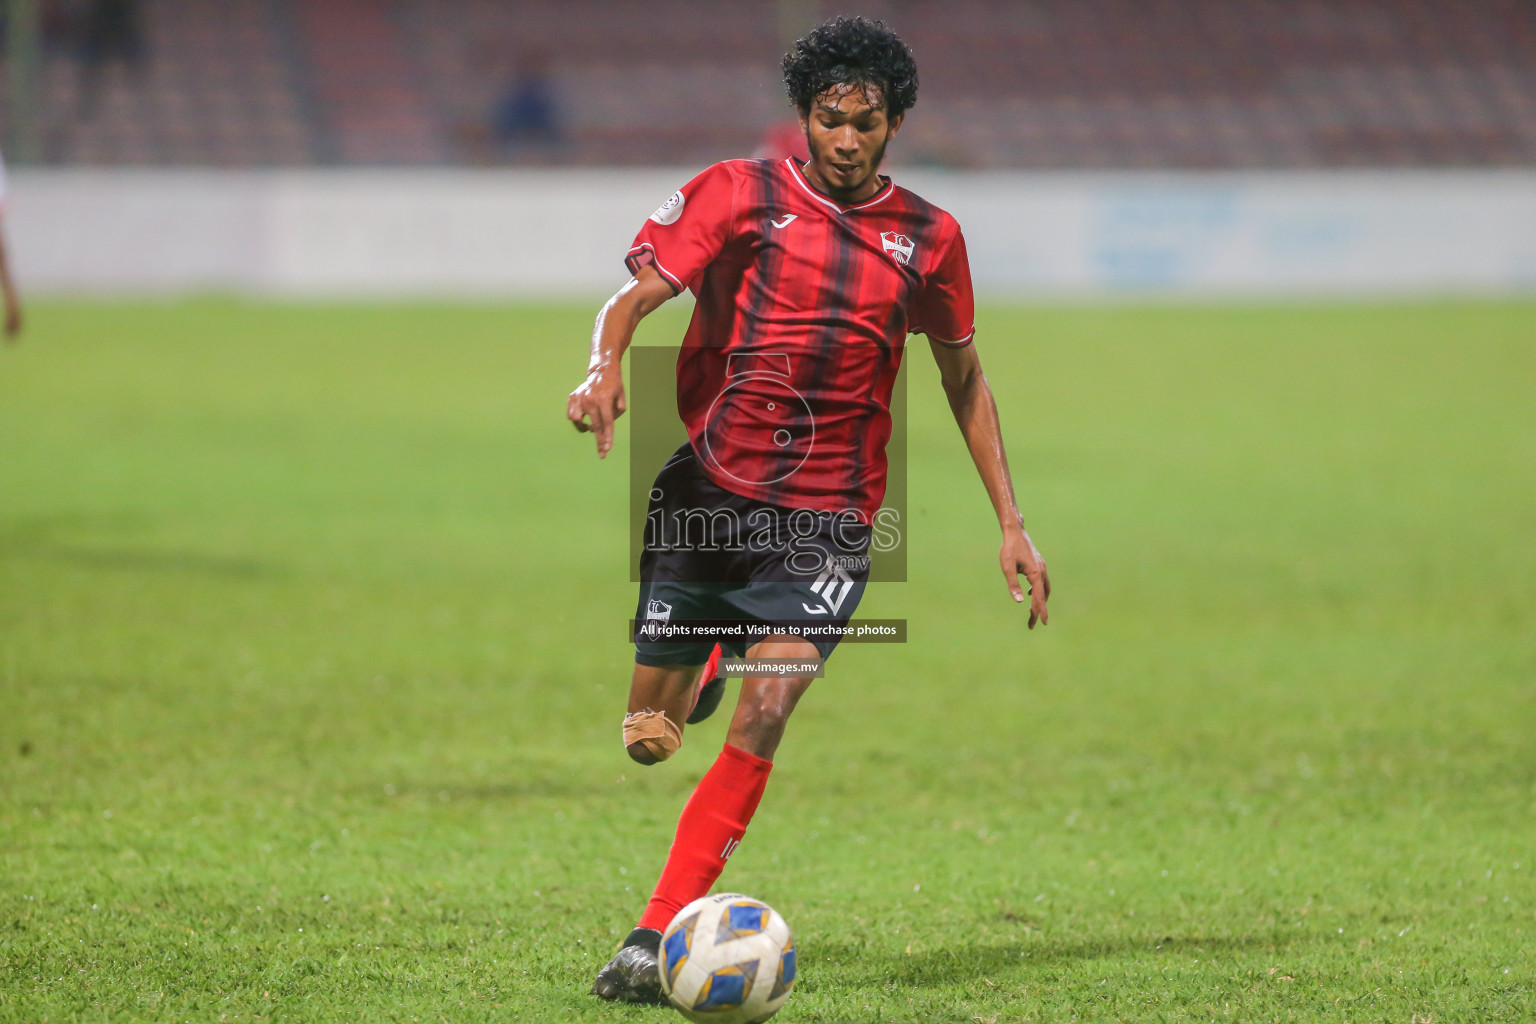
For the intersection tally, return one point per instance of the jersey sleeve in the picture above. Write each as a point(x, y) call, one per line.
point(689, 230)
point(945, 309)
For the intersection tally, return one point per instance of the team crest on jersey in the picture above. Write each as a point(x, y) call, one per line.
point(898, 245)
point(658, 611)
point(670, 210)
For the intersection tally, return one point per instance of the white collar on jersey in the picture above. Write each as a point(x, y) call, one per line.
point(799, 176)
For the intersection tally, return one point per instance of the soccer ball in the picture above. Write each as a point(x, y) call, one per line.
point(727, 959)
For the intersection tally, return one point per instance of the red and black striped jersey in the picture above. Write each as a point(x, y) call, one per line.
point(785, 375)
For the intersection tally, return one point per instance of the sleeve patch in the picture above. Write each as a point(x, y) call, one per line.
point(670, 210)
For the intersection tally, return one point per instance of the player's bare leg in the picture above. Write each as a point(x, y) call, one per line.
point(766, 703)
point(660, 700)
point(716, 816)
point(685, 694)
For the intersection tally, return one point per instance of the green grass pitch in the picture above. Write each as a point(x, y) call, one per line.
point(312, 666)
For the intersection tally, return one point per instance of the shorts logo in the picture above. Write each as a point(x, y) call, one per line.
point(670, 210)
point(899, 246)
point(832, 587)
point(658, 611)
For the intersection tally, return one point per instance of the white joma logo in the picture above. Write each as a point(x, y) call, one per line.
point(785, 222)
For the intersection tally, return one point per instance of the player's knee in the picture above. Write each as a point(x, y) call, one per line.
point(641, 753)
point(650, 736)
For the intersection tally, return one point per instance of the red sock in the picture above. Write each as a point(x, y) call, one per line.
point(712, 824)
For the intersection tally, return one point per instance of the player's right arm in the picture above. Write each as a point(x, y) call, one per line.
point(599, 400)
point(673, 247)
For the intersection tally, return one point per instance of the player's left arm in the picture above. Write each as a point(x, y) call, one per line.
point(970, 399)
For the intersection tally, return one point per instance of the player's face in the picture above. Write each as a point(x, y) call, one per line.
point(846, 131)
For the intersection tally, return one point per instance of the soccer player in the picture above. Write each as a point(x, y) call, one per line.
point(808, 278)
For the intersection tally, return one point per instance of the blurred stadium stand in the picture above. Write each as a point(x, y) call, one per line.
point(1063, 84)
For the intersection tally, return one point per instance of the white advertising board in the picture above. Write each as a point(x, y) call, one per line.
point(522, 234)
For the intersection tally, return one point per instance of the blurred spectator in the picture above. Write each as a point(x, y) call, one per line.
point(7, 285)
point(526, 114)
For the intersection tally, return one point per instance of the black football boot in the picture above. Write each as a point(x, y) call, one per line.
point(632, 976)
point(710, 692)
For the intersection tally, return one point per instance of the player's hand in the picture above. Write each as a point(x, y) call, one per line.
point(596, 403)
point(1019, 557)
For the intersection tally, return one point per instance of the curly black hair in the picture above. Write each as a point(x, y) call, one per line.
point(857, 52)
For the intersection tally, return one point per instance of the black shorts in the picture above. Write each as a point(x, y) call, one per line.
point(711, 555)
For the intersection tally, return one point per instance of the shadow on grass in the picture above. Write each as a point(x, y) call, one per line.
point(42, 537)
point(540, 786)
point(860, 965)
